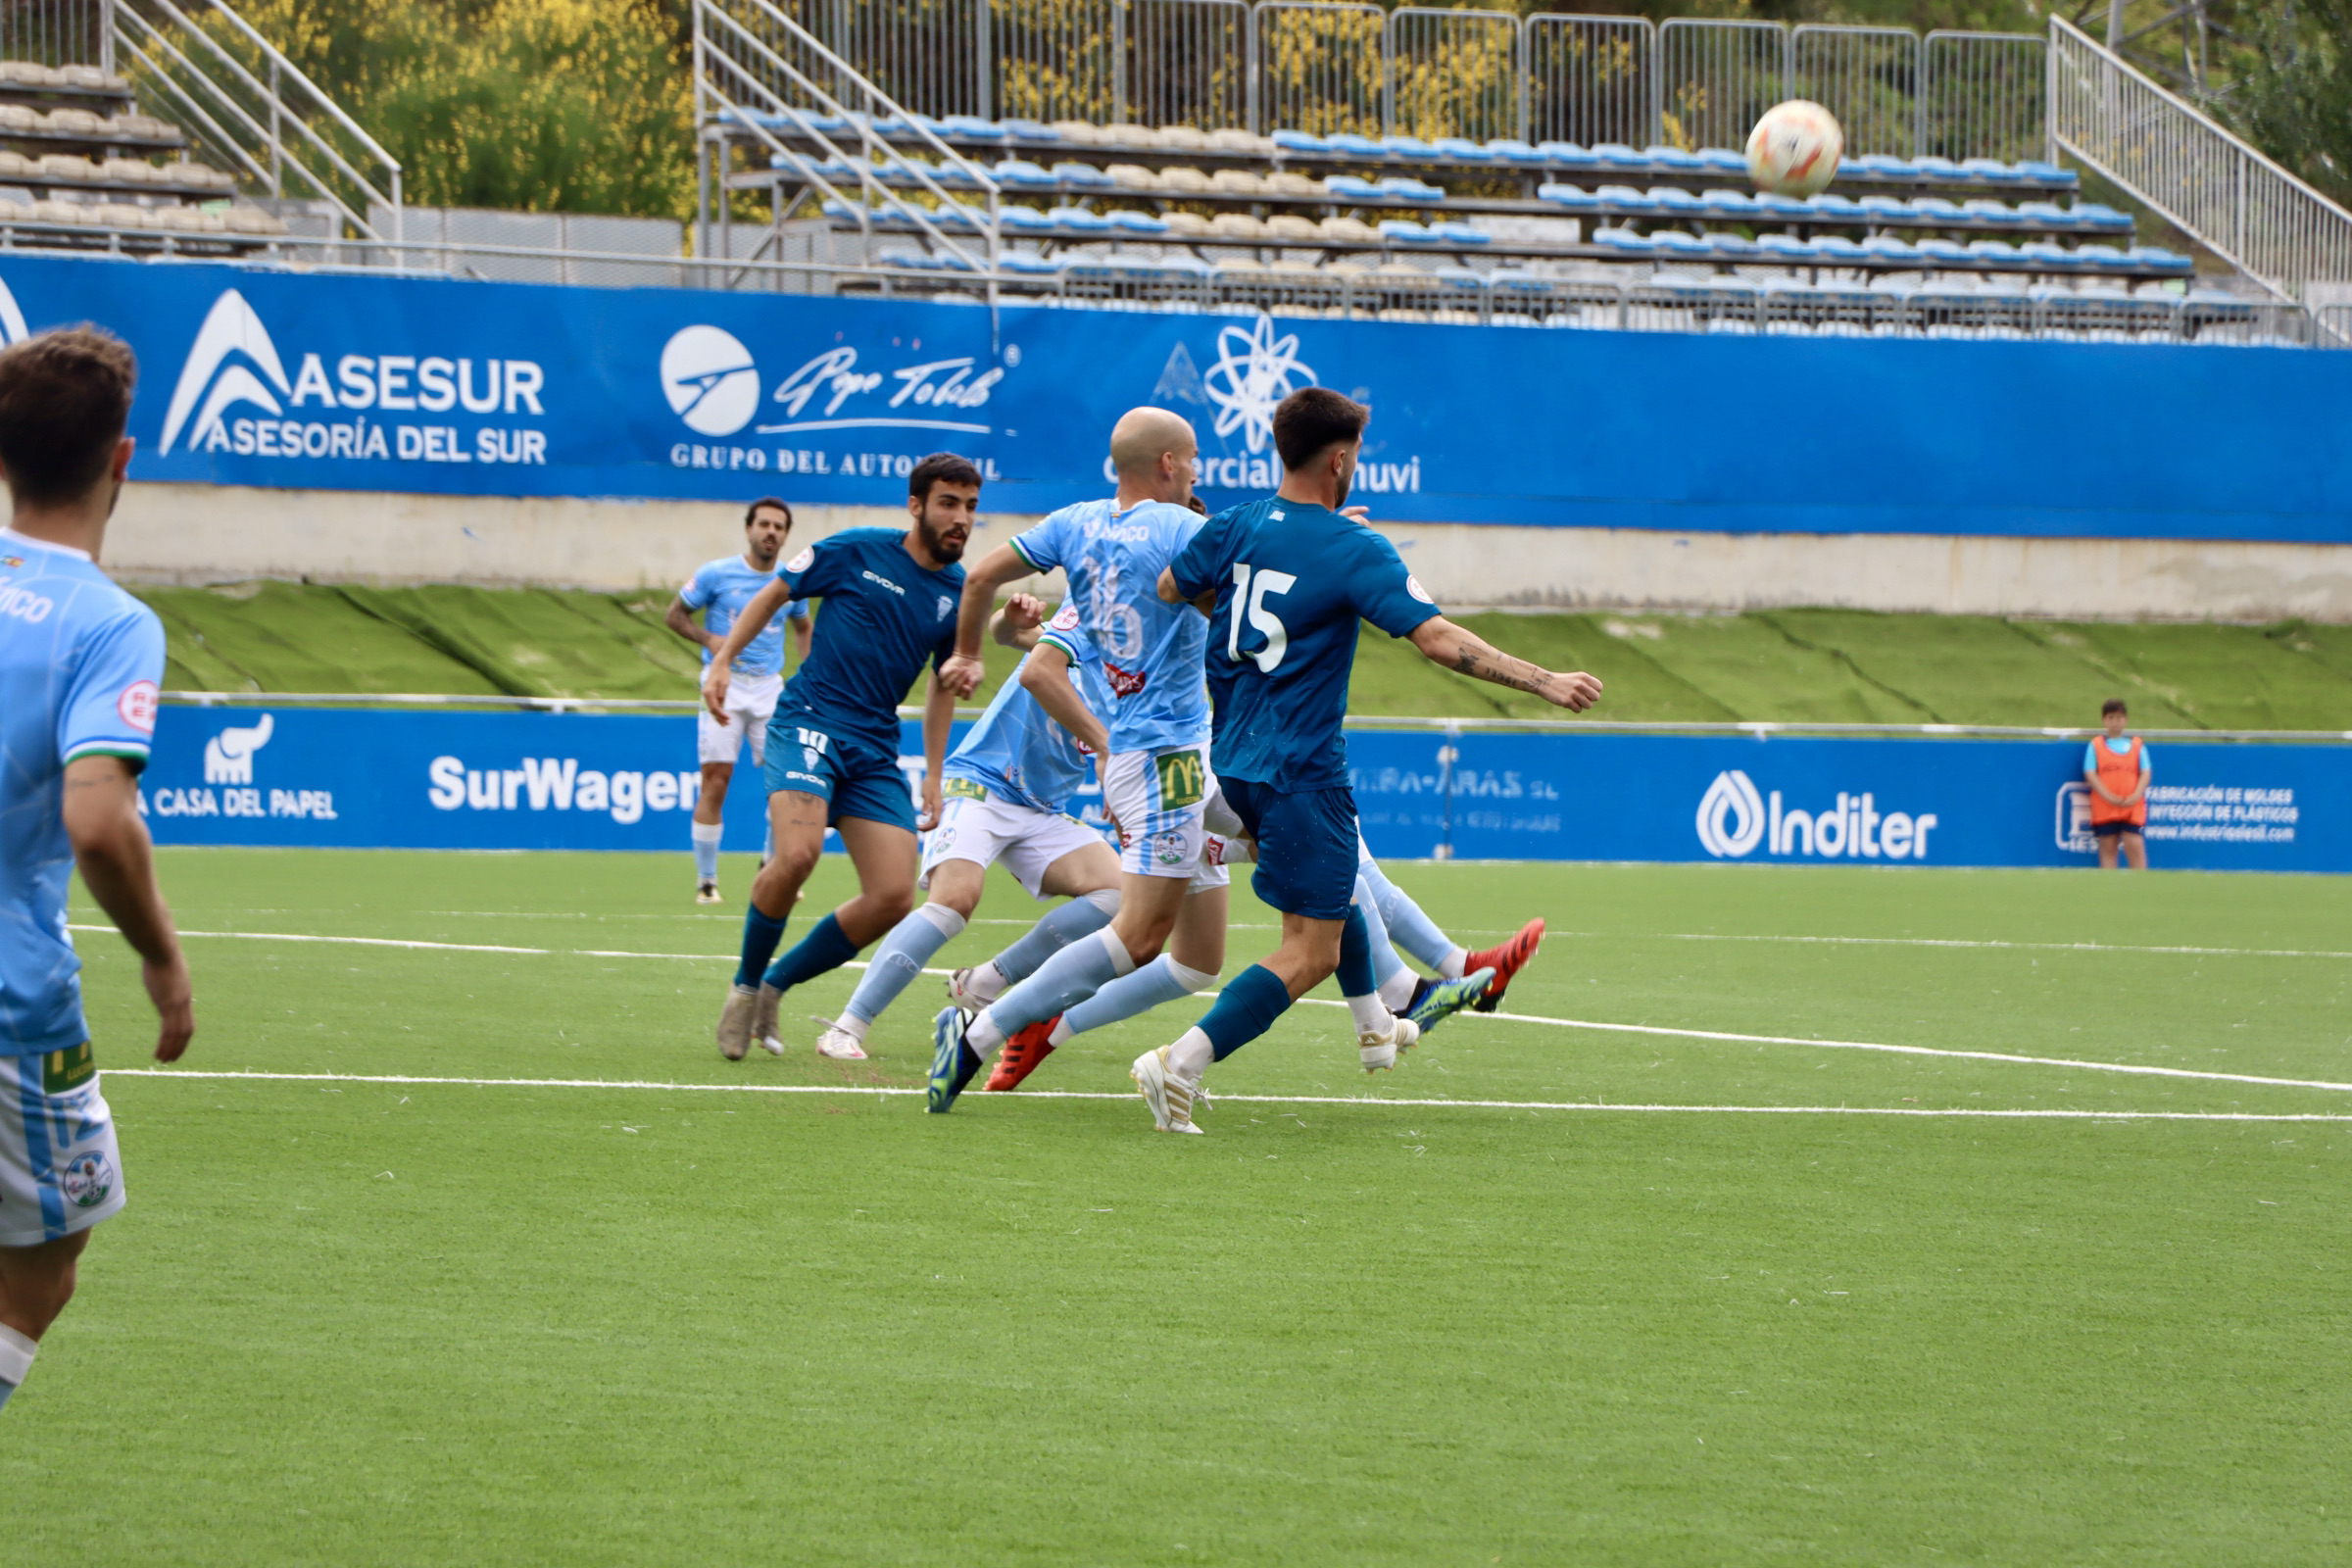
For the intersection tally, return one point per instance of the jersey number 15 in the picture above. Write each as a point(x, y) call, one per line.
point(1250, 591)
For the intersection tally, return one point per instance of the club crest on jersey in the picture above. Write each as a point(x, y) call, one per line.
point(802, 561)
point(1123, 682)
point(12, 562)
point(810, 757)
point(946, 606)
point(136, 706)
point(87, 1180)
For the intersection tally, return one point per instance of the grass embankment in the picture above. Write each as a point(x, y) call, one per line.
point(1798, 664)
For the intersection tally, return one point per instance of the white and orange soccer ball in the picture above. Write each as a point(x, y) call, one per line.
point(1794, 149)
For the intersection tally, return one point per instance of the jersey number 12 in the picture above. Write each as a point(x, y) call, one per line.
point(1249, 594)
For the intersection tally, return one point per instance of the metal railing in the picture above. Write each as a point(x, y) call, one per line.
point(244, 104)
point(1326, 65)
point(57, 32)
point(2238, 204)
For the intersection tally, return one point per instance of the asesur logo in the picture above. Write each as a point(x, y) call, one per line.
point(710, 379)
point(229, 327)
point(1732, 795)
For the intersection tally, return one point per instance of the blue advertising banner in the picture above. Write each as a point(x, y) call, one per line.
point(372, 778)
point(255, 376)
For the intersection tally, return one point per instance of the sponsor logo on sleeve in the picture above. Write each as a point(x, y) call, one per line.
point(136, 706)
point(1412, 585)
point(802, 561)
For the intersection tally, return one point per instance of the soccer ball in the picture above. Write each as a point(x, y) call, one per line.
point(1794, 149)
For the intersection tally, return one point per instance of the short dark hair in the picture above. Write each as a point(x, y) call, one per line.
point(65, 397)
point(938, 467)
point(1311, 420)
point(753, 510)
point(2113, 704)
point(1196, 504)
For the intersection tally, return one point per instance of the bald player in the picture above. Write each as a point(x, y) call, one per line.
point(1156, 783)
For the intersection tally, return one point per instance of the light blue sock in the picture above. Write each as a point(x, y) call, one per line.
point(1082, 916)
point(705, 850)
point(1060, 983)
point(1416, 933)
point(900, 957)
point(1386, 965)
point(1163, 979)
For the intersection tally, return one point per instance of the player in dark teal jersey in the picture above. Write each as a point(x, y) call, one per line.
point(1285, 581)
point(889, 608)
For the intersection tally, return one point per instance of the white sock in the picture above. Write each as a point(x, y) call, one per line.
point(986, 982)
point(705, 837)
point(1396, 991)
point(16, 1359)
point(1449, 967)
point(854, 1026)
point(1372, 1015)
point(983, 1035)
point(1189, 1057)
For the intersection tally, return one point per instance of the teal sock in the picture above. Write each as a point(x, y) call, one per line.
point(760, 938)
point(824, 949)
point(1245, 1009)
point(1355, 956)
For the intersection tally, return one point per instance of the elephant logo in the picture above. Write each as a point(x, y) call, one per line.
point(228, 755)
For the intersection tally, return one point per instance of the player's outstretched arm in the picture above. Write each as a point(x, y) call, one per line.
point(117, 862)
point(748, 626)
point(939, 717)
point(1047, 677)
point(1465, 653)
point(999, 566)
point(1020, 623)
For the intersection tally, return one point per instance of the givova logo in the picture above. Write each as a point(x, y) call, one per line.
point(234, 363)
point(1735, 818)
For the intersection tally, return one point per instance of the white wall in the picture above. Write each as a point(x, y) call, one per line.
point(204, 533)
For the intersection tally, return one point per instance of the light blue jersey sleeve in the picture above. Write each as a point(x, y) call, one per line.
point(108, 705)
point(700, 588)
point(1047, 545)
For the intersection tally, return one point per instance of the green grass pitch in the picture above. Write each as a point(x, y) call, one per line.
point(346, 1322)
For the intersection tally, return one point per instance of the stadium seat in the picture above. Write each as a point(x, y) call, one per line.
point(1133, 222)
point(1463, 151)
point(1616, 154)
point(1887, 248)
point(1072, 174)
point(1675, 199)
point(1728, 203)
point(1739, 245)
point(2050, 255)
point(1995, 251)
point(1989, 168)
point(1078, 219)
point(1992, 212)
point(1624, 240)
point(1786, 247)
point(1943, 250)
point(2157, 259)
point(1626, 199)
point(1573, 197)
point(1404, 188)
point(1512, 151)
point(1568, 155)
point(1355, 146)
point(1299, 141)
point(1020, 172)
point(1722, 160)
point(2094, 216)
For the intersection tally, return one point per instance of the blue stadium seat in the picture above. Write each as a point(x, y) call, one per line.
point(1786, 208)
point(1786, 247)
point(1992, 170)
point(2092, 215)
point(1882, 207)
point(1405, 188)
point(1937, 208)
point(1732, 245)
point(1354, 146)
point(2047, 215)
point(1943, 250)
point(1135, 222)
point(1626, 199)
point(1838, 248)
point(1509, 150)
point(1574, 197)
point(1723, 159)
point(1987, 211)
point(971, 127)
point(2037, 172)
point(1829, 204)
point(908, 257)
point(1999, 251)
point(1021, 172)
point(1674, 242)
point(1728, 203)
point(1404, 231)
point(1299, 141)
point(1351, 187)
point(2050, 255)
point(1887, 248)
point(1081, 174)
point(1624, 240)
point(1878, 163)
point(1460, 235)
point(1617, 155)
point(2103, 258)
point(2156, 258)
point(1663, 157)
point(1568, 155)
point(1026, 219)
point(1412, 147)
point(1078, 217)
point(1463, 151)
point(1029, 130)
point(1675, 199)
point(1939, 169)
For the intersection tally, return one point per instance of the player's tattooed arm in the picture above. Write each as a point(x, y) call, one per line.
point(117, 860)
point(1019, 623)
point(1047, 677)
point(748, 626)
point(1465, 653)
point(679, 618)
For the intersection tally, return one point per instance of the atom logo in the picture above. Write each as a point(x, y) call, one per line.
point(1255, 370)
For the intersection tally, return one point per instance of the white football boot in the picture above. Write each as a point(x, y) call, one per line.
point(1378, 1052)
point(838, 1043)
point(734, 1031)
point(1169, 1097)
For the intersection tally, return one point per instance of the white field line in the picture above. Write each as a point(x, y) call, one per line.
point(2073, 1063)
point(2021, 946)
point(1364, 1100)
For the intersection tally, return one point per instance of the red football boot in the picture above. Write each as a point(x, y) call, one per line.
point(1021, 1054)
point(1505, 960)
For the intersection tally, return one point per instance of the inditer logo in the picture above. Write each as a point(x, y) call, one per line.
point(1852, 827)
point(1732, 795)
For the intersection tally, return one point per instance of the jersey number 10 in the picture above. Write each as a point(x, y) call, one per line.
point(1249, 594)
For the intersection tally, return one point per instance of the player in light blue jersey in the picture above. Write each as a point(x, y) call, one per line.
point(1011, 787)
point(1157, 785)
point(720, 589)
point(1285, 582)
point(80, 663)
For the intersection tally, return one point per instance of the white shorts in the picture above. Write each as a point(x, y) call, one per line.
point(750, 703)
point(988, 829)
point(1167, 802)
point(60, 1169)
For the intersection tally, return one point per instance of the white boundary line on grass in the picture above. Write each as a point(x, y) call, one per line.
point(883, 1092)
point(2021, 946)
point(2134, 1069)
